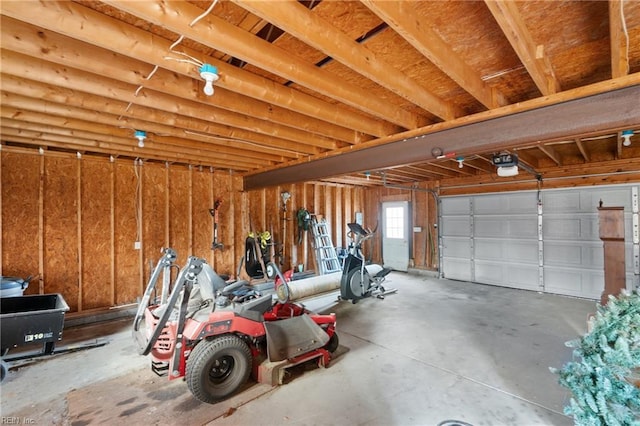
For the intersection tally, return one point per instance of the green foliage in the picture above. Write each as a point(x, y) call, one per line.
point(604, 359)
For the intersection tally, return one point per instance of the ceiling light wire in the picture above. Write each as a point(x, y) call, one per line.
point(626, 34)
point(189, 132)
point(205, 13)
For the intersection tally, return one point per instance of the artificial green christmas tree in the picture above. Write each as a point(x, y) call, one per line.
point(604, 378)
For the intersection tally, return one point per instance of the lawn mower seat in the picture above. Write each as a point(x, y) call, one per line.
point(254, 309)
point(203, 293)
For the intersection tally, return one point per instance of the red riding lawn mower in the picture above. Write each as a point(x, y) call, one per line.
point(215, 334)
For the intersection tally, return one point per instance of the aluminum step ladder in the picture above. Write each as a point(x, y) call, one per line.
point(326, 256)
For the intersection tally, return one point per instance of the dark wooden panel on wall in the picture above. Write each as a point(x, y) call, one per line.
point(96, 234)
point(127, 269)
point(20, 210)
point(178, 214)
point(61, 273)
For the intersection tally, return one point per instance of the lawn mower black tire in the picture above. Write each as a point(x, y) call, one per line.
point(333, 343)
point(217, 368)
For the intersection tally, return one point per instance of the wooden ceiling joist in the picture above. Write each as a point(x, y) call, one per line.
point(17, 106)
point(403, 18)
point(68, 52)
point(551, 152)
point(176, 16)
point(619, 39)
point(533, 58)
point(583, 150)
point(82, 23)
point(324, 36)
point(35, 121)
point(20, 65)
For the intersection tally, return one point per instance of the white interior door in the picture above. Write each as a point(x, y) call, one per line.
point(395, 235)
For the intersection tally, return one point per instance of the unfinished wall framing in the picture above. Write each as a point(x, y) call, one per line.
point(75, 221)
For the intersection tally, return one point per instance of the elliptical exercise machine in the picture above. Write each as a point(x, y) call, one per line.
point(358, 279)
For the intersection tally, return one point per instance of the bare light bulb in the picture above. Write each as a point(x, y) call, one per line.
point(209, 74)
point(141, 135)
point(626, 137)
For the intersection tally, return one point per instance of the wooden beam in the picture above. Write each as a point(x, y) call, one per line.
point(532, 56)
point(619, 39)
point(80, 259)
point(82, 23)
point(17, 65)
point(31, 95)
point(176, 16)
point(527, 158)
point(43, 44)
point(69, 126)
point(404, 18)
point(551, 153)
point(583, 150)
point(567, 118)
point(302, 23)
point(41, 139)
point(96, 142)
point(619, 145)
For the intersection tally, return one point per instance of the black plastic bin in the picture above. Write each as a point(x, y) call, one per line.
point(27, 320)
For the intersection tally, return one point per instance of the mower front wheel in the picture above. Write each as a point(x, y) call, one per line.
point(217, 368)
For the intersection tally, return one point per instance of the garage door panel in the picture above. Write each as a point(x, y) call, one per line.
point(525, 202)
point(506, 250)
point(457, 247)
point(457, 269)
point(456, 206)
point(575, 227)
point(456, 226)
point(502, 231)
point(586, 255)
point(523, 276)
point(507, 227)
point(584, 201)
point(574, 282)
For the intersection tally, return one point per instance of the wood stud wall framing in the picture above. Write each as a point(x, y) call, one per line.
point(72, 220)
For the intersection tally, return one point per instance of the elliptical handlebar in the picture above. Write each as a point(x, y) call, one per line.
point(359, 234)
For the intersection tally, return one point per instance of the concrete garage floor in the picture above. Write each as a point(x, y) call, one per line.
point(437, 350)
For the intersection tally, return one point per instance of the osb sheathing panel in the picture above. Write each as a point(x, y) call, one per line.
point(96, 233)
point(20, 207)
point(325, 201)
point(225, 260)
point(202, 220)
point(154, 219)
point(179, 195)
point(299, 251)
point(61, 273)
point(236, 241)
point(127, 271)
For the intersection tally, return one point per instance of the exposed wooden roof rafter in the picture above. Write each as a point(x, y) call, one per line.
point(531, 54)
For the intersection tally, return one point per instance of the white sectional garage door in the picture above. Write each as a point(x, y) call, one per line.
point(510, 240)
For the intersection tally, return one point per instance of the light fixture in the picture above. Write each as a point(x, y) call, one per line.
point(626, 137)
point(507, 171)
point(210, 74)
point(367, 174)
point(460, 160)
point(141, 135)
